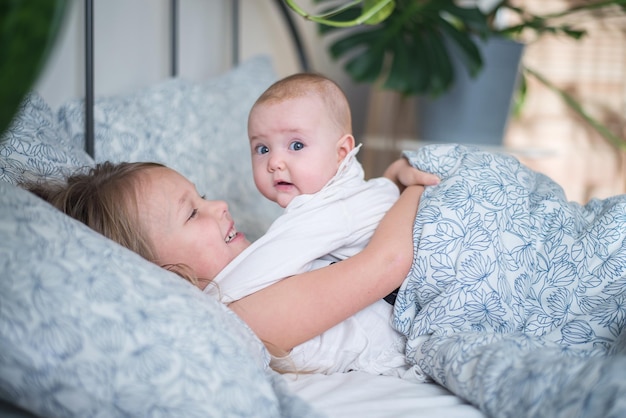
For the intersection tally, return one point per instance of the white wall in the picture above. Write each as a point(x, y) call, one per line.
point(132, 47)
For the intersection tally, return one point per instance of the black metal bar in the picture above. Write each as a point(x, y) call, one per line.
point(295, 35)
point(89, 79)
point(89, 56)
point(235, 32)
point(174, 38)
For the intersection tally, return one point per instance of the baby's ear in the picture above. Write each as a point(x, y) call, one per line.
point(345, 144)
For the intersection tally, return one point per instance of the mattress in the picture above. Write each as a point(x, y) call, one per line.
point(363, 395)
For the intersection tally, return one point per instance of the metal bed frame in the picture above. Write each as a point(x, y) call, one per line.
point(174, 5)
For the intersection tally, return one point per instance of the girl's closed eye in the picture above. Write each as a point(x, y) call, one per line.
point(194, 211)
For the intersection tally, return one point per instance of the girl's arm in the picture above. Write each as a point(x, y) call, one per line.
point(403, 175)
point(301, 307)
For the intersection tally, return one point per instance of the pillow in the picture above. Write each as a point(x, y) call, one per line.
point(33, 146)
point(198, 129)
point(92, 329)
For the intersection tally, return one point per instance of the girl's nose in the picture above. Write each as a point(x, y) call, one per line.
point(217, 207)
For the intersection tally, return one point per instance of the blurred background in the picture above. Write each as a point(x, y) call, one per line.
point(544, 133)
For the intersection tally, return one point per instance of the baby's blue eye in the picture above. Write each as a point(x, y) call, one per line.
point(296, 146)
point(261, 149)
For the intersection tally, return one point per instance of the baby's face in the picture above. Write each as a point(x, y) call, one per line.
point(294, 147)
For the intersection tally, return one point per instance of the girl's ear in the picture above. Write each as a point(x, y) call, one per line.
point(345, 144)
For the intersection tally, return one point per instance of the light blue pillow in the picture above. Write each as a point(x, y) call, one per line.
point(34, 146)
point(90, 329)
point(198, 129)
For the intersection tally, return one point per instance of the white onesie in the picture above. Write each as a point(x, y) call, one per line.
point(315, 230)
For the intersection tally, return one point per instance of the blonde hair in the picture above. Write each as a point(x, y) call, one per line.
point(305, 84)
point(105, 199)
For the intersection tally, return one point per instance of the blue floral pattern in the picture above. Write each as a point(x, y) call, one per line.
point(34, 147)
point(91, 329)
point(504, 374)
point(88, 328)
point(512, 287)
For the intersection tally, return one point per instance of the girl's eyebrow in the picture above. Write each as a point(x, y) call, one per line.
point(182, 202)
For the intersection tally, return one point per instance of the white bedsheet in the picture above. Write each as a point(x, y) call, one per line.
point(363, 395)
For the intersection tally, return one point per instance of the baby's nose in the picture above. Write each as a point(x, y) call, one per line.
point(276, 163)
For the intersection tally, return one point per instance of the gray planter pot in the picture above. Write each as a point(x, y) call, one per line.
point(474, 110)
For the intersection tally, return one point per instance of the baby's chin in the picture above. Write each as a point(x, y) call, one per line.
point(283, 203)
point(282, 193)
point(283, 199)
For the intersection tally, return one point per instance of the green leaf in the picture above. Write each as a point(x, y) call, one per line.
point(471, 19)
point(398, 78)
point(409, 71)
point(355, 40)
point(382, 14)
point(366, 66)
point(442, 74)
point(466, 46)
point(346, 15)
point(28, 30)
point(349, 13)
point(420, 67)
point(519, 99)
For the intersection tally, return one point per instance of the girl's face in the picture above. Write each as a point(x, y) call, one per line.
point(184, 227)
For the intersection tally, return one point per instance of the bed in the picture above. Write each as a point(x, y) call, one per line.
point(89, 329)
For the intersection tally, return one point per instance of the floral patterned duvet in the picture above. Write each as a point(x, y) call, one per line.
point(514, 293)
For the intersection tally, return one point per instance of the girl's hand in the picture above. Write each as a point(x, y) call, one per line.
point(404, 175)
point(300, 307)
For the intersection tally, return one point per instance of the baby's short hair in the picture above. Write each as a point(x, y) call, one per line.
point(305, 84)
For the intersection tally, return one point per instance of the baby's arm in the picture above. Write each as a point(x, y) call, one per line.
point(301, 307)
point(403, 175)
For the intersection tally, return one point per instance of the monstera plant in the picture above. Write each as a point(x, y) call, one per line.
point(406, 45)
point(28, 30)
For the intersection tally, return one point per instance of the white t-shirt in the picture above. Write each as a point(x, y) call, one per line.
point(364, 342)
point(315, 230)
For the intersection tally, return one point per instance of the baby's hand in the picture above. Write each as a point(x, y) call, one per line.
point(403, 175)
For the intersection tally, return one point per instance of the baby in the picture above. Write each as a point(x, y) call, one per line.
point(304, 159)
